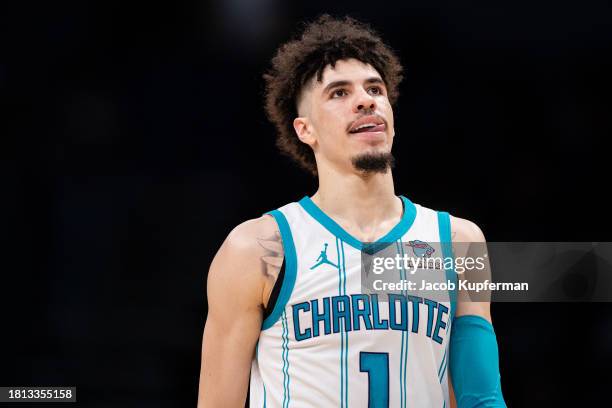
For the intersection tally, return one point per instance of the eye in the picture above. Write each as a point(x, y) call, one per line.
point(338, 92)
point(375, 90)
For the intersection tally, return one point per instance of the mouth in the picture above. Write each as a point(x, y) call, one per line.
point(369, 129)
point(368, 124)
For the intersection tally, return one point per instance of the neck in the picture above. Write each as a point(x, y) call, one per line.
point(366, 205)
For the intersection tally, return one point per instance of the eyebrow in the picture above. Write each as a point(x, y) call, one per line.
point(335, 84)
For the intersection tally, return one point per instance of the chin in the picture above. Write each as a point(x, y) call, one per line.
point(380, 148)
point(370, 152)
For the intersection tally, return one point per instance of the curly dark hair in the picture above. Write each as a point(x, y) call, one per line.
point(322, 43)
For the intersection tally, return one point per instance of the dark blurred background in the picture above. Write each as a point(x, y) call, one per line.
point(135, 139)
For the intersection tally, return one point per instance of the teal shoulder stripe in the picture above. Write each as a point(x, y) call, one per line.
point(447, 252)
point(290, 269)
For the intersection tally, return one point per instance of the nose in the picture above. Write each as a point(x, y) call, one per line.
point(364, 102)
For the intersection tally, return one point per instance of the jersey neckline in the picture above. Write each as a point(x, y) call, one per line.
point(390, 237)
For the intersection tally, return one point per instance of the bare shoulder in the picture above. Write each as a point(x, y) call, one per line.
point(245, 236)
point(248, 260)
point(463, 230)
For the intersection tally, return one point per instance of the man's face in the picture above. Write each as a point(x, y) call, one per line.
point(347, 116)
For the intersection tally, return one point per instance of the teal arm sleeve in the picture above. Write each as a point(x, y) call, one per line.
point(474, 363)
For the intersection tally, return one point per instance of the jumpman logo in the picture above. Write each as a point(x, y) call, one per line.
point(322, 259)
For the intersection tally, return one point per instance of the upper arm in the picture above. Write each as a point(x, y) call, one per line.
point(238, 280)
point(465, 231)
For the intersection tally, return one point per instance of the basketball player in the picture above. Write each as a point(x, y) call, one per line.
point(286, 313)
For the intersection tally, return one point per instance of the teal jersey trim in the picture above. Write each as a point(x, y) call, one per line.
point(396, 232)
point(444, 363)
point(443, 369)
point(405, 337)
point(343, 327)
point(401, 364)
point(290, 270)
point(346, 342)
point(285, 356)
point(341, 331)
point(447, 252)
point(440, 371)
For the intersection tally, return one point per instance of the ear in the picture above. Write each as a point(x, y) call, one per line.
point(304, 130)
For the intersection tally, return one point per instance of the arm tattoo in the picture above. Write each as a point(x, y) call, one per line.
point(274, 254)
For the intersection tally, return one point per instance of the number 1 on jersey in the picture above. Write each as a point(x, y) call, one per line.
point(377, 367)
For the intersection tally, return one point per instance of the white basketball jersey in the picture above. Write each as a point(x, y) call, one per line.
point(327, 344)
